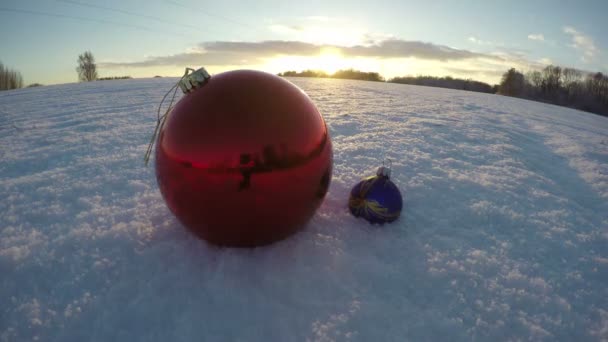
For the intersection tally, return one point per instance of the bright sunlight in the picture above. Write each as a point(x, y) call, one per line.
point(329, 60)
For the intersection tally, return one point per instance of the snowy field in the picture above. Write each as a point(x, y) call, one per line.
point(504, 235)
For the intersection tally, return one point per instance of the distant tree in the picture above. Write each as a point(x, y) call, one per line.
point(305, 73)
point(567, 87)
point(114, 78)
point(570, 76)
point(87, 69)
point(572, 81)
point(532, 83)
point(352, 74)
point(552, 81)
point(34, 85)
point(597, 85)
point(9, 78)
point(445, 82)
point(534, 78)
point(512, 83)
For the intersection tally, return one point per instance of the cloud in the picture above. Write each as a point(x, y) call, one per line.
point(536, 36)
point(389, 56)
point(467, 72)
point(238, 53)
point(320, 18)
point(517, 59)
point(583, 43)
point(473, 40)
point(396, 48)
point(478, 41)
point(371, 38)
point(285, 29)
point(319, 30)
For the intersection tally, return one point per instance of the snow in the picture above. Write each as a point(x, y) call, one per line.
point(504, 234)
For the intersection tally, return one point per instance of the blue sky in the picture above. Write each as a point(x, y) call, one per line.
point(476, 39)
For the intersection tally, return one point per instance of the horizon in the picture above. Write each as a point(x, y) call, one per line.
point(472, 40)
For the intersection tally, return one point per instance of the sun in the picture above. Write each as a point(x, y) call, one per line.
point(330, 60)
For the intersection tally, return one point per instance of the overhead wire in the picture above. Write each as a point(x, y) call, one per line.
point(209, 14)
point(87, 19)
point(204, 12)
point(135, 14)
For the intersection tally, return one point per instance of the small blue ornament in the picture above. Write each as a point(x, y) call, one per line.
point(377, 199)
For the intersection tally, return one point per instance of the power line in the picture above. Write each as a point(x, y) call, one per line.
point(135, 14)
point(94, 20)
point(212, 15)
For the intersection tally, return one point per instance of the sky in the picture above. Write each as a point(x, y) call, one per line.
point(469, 39)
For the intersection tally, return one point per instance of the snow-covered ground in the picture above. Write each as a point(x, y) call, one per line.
point(504, 235)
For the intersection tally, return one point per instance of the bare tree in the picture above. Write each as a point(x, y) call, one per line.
point(571, 75)
point(535, 78)
point(551, 80)
point(10, 79)
point(87, 69)
point(571, 79)
point(597, 84)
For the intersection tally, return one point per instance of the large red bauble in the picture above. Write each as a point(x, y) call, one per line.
point(245, 160)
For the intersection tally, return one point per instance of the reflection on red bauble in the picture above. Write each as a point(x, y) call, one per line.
point(245, 160)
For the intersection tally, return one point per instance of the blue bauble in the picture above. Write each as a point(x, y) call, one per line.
point(377, 199)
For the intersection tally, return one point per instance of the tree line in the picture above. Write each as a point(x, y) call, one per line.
point(446, 82)
point(114, 78)
point(349, 74)
point(305, 73)
point(561, 86)
point(431, 81)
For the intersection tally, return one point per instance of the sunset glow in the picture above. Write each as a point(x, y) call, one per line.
point(405, 38)
point(331, 60)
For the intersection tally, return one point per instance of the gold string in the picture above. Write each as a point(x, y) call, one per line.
point(160, 122)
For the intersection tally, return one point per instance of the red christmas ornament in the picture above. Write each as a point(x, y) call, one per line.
point(244, 160)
